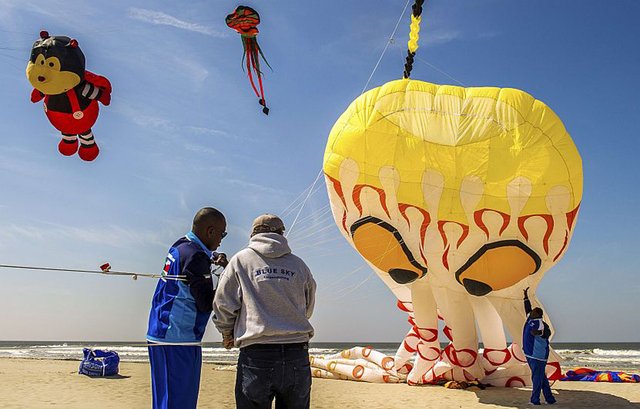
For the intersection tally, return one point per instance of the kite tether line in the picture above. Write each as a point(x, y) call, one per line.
point(104, 269)
point(375, 68)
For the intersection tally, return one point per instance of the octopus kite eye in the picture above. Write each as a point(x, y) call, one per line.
point(383, 246)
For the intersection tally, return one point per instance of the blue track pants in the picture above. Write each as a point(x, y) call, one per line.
point(540, 381)
point(175, 376)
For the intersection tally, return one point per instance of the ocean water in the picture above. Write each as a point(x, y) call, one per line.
point(601, 356)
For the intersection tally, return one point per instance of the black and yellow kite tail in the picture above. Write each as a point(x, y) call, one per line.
point(416, 18)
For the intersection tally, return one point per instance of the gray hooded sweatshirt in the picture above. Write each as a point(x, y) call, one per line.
point(265, 295)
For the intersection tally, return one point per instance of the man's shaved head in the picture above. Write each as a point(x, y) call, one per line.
point(209, 225)
point(536, 313)
point(207, 216)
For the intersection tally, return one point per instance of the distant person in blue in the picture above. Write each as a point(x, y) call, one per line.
point(535, 344)
point(180, 311)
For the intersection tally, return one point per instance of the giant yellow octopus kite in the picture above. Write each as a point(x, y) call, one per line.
point(459, 198)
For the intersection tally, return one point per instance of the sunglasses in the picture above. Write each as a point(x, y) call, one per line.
point(224, 234)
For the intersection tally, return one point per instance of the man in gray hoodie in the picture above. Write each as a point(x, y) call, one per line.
point(263, 303)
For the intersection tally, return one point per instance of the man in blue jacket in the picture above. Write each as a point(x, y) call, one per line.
point(535, 344)
point(180, 311)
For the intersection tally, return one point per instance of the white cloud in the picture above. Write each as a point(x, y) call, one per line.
point(201, 130)
point(488, 35)
point(153, 122)
point(112, 236)
point(204, 131)
point(6, 7)
point(254, 186)
point(147, 121)
point(199, 149)
point(183, 202)
point(439, 37)
point(164, 19)
point(173, 131)
point(191, 68)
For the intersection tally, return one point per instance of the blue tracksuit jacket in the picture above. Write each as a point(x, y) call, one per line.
point(180, 310)
point(535, 346)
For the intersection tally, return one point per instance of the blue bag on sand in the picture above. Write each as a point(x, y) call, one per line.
point(99, 363)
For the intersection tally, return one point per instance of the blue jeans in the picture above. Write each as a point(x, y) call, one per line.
point(274, 371)
point(540, 381)
point(175, 376)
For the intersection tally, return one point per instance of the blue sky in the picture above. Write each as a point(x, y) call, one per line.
point(185, 131)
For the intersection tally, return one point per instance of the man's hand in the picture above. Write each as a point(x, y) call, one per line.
point(536, 332)
point(221, 260)
point(227, 340)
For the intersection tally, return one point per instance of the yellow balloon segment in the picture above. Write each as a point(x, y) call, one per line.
point(413, 34)
point(492, 134)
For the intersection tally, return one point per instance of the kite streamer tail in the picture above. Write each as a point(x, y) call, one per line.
point(252, 52)
point(262, 55)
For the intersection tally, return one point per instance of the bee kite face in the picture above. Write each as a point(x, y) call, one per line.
point(56, 65)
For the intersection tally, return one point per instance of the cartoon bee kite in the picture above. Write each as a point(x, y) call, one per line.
point(71, 94)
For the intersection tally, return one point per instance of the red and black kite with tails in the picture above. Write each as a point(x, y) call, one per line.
point(245, 21)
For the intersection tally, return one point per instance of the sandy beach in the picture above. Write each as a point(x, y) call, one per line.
point(33, 383)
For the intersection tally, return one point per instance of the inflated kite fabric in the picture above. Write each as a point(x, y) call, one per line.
point(56, 70)
point(458, 198)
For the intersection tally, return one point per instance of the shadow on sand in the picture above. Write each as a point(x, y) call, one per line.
point(118, 376)
point(519, 398)
point(108, 377)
